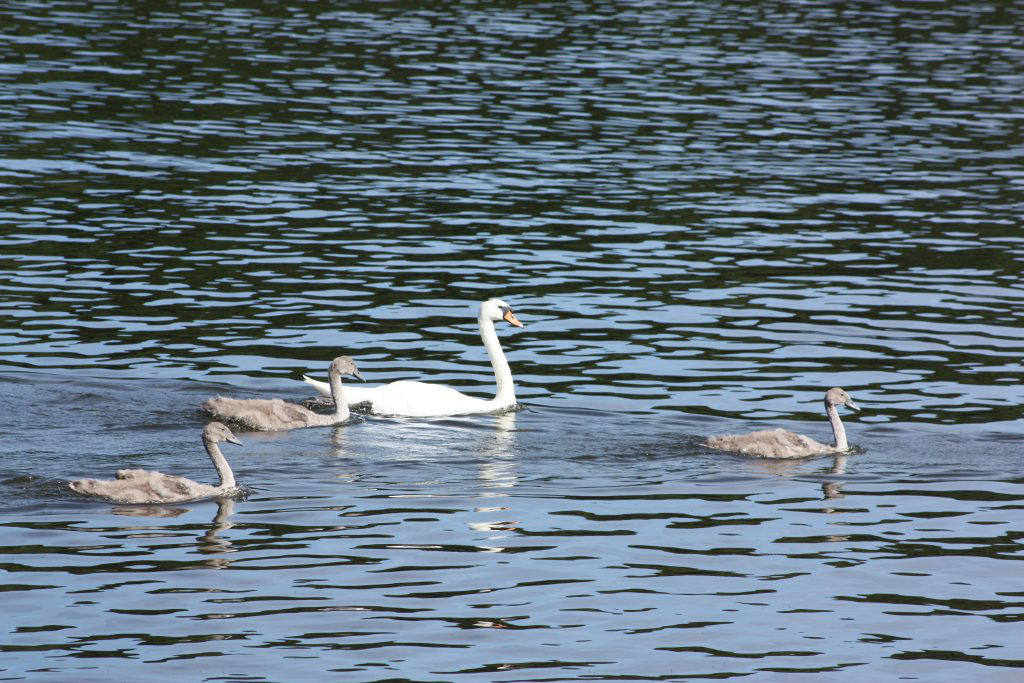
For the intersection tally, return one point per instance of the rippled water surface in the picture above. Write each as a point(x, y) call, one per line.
point(705, 214)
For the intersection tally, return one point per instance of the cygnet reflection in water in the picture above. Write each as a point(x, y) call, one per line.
point(780, 443)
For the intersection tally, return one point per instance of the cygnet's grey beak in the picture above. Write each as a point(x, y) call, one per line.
point(233, 439)
point(355, 373)
point(851, 404)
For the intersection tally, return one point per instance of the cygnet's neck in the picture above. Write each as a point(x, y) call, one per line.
point(838, 431)
point(341, 411)
point(506, 392)
point(227, 477)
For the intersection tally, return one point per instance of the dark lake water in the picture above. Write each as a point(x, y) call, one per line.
point(706, 214)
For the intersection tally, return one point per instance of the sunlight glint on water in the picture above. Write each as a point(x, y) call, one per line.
point(705, 215)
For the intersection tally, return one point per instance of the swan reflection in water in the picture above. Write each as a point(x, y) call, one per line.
point(487, 443)
point(147, 511)
point(499, 468)
point(210, 541)
point(830, 488)
point(498, 472)
point(834, 489)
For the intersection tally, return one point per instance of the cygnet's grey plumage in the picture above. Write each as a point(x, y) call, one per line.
point(145, 486)
point(769, 443)
point(779, 443)
point(273, 414)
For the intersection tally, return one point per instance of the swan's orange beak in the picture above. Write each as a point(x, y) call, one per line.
point(511, 318)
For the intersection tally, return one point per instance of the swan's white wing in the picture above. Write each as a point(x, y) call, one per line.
point(421, 399)
point(408, 398)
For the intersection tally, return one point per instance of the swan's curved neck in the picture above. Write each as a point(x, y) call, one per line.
point(341, 411)
point(227, 477)
point(506, 392)
point(838, 431)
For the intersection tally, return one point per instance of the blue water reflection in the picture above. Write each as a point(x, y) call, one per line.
point(705, 215)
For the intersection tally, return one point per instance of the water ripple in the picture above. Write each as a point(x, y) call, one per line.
point(705, 215)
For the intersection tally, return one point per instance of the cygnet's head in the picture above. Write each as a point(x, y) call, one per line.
point(216, 432)
point(839, 397)
point(343, 365)
point(496, 309)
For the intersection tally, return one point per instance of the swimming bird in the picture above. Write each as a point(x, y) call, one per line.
point(273, 414)
point(145, 486)
point(421, 399)
point(779, 443)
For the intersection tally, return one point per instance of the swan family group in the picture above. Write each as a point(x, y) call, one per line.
point(407, 399)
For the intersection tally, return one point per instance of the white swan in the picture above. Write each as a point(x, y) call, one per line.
point(779, 443)
point(273, 414)
point(145, 486)
point(420, 399)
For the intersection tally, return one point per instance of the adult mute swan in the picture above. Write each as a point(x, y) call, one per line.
point(420, 399)
point(145, 486)
point(273, 414)
point(779, 443)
